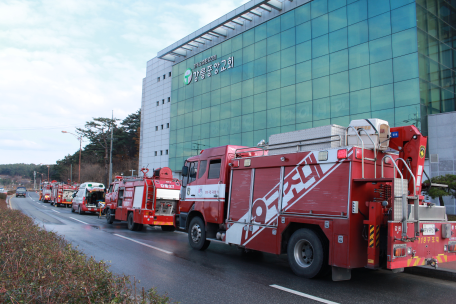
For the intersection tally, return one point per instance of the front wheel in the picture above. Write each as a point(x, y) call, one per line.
point(72, 208)
point(307, 254)
point(80, 211)
point(109, 217)
point(197, 234)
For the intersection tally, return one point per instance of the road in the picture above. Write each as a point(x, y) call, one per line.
point(222, 274)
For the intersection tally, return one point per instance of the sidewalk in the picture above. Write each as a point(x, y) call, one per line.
point(445, 271)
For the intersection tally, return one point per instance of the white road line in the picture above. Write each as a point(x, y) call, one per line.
point(156, 248)
point(55, 211)
point(303, 294)
point(79, 220)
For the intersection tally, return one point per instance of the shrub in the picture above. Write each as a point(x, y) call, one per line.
point(2, 196)
point(38, 266)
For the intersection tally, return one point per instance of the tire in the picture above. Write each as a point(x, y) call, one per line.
point(109, 218)
point(72, 209)
point(307, 254)
point(80, 211)
point(167, 228)
point(197, 234)
point(131, 224)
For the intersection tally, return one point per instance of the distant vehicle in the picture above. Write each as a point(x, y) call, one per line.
point(88, 198)
point(45, 195)
point(21, 191)
point(62, 195)
point(2, 190)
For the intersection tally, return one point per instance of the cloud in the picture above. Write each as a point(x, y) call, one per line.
point(64, 62)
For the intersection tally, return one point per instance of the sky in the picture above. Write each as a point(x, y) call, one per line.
point(63, 62)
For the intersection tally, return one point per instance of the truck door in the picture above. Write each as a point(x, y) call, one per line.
point(120, 203)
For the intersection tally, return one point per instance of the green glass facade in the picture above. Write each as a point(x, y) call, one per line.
point(325, 62)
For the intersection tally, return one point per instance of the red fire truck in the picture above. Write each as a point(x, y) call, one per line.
point(45, 194)
point(331, 200)
point(62, 194)
point(144, 200)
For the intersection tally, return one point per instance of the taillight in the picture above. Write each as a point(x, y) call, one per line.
point(83, 200)
point(400, 251)
point(359, 154)
point(342, 153)
point(451, 246)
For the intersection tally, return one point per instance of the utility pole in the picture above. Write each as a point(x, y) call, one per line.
point(132, 172)
point(48, 173)
point(110, 153)
point(71, 174)
point(34, 180)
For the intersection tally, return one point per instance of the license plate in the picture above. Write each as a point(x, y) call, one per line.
point(428, 229)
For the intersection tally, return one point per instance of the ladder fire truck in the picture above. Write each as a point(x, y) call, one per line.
point(144, 200)
point(62, 194)
point(331, 198)
point(45, 194)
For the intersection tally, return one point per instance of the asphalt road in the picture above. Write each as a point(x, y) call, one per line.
point(222, 274)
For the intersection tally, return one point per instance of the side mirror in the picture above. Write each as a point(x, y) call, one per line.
point(184, 171)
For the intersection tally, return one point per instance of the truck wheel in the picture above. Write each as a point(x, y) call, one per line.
point(197, 234)
point(167, 228)
point(131, 224)
point(109, 218)
point(80, 211)
point(307, 254)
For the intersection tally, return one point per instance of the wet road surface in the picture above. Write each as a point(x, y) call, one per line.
point(222, 274)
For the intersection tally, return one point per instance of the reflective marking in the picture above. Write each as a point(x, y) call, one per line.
point(79, 220)
point(305, 295)
point(144, 244)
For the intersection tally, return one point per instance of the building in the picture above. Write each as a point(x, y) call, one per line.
point(276, 66)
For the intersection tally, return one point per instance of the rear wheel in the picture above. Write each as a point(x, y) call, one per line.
point(167, 228)
point(197, 234)
point(72, 208)
point(307, 254)
point(80, 211)
point(109, 217)
point(131, 224)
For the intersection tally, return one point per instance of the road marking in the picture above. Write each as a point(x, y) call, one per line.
point(156, 248)
point(78, 220)
point(55, 211)
point(305, 295)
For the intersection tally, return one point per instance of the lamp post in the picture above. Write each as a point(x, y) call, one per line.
point(80, 149)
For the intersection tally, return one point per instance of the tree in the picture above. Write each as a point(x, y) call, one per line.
point(440, 192)
point(98, 132)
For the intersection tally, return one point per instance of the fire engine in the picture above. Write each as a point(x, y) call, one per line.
point(144, 200)
point(45, 194)
point(62, 194)
point(331, 198)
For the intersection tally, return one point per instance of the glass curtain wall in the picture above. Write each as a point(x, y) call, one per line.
point(436, 39)
point(325, 62)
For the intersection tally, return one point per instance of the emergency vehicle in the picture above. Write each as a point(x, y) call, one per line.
point(45, 195)
point(144, 200)
point(331, 198)
point(89, 198)
point(62, 194)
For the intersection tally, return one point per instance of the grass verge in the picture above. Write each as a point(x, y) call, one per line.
point(38, 266)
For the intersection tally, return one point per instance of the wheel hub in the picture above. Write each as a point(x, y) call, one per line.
point(303, 253)
point(196, 233)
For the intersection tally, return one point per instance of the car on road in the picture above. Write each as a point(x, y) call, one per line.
point(21, 191)
point(89, 198)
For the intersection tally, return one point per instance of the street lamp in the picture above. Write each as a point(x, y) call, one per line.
point(80, 149)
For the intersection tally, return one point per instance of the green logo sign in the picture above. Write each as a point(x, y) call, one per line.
point(188, 76)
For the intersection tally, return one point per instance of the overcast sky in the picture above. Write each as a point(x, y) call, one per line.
point(63, 62)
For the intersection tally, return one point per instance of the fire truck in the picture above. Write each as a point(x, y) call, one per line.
point(62, 194)
point(331, 198)
point(45, 194)
point(144, 200)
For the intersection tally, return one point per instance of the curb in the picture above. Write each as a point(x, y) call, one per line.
point(442, 274)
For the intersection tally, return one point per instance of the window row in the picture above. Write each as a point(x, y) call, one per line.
point(164, 77)
point(160, 153)
point(162, 127)
point(163, 101)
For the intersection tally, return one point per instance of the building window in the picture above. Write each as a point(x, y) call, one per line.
point(169, 74)
point(155, 153)
point(167, 125)
point(158, 79)
point(162, 127)
point(163, 101)
point(156, 128)
point(164, 76)
point(158, 103)
point(166, 152)
point(161, 152)
point(169, 99)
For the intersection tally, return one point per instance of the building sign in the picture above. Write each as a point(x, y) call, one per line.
point(208, 71)
point(203, 62)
